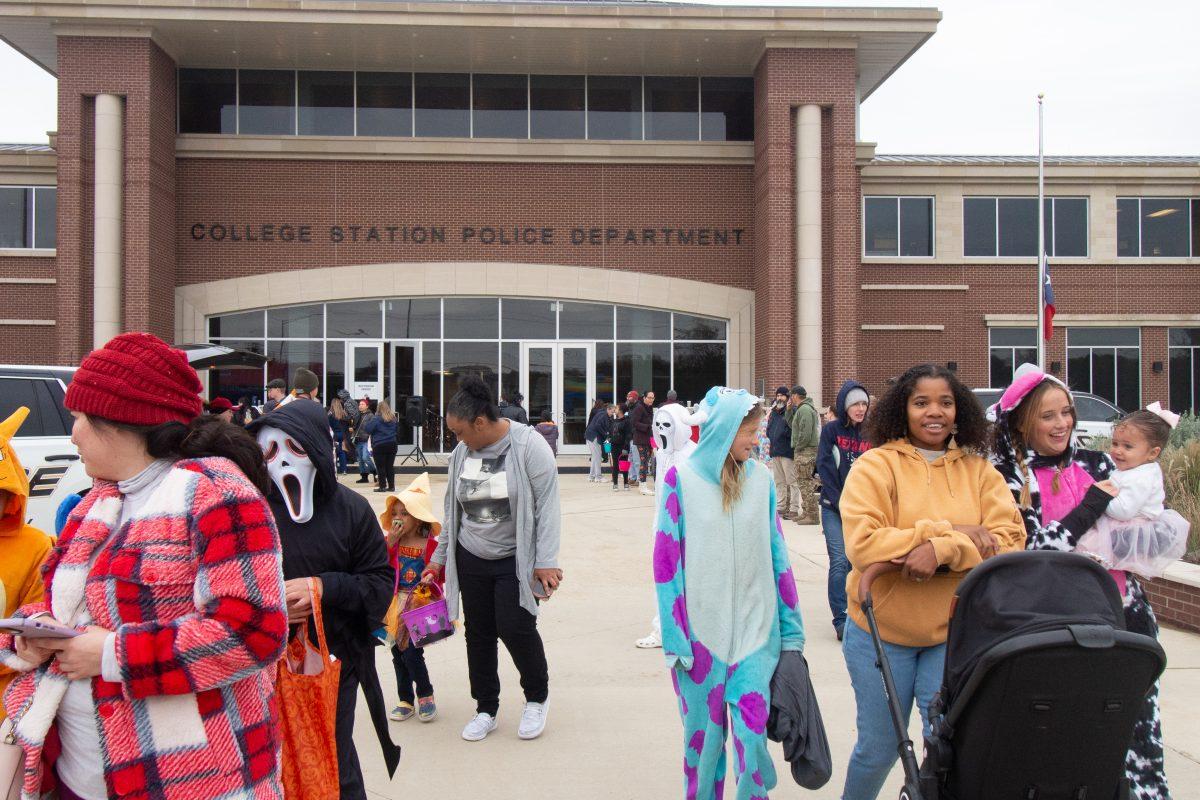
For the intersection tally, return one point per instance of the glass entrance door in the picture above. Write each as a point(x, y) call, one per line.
point(364, 370)
point(406, 383)
point(561, 378)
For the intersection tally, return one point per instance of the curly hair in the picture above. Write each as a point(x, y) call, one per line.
point(889, 418)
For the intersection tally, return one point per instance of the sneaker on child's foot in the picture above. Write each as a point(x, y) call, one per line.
point(402, 712)
point(616, 488)
point(426, 709)
point(479, 727)
point(649, 641)
point(646, 489)
point(533, 720)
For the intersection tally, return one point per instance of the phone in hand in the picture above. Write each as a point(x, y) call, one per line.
point(539, 590)
point(36, 628)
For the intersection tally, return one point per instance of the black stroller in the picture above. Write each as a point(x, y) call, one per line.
point(1042, 687)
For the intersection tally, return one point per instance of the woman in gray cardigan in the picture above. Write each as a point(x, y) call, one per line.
point(499, 550)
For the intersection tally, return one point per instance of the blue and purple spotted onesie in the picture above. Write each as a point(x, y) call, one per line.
point(728, 604)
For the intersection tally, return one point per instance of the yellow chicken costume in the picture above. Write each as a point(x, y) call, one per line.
point(22, 548)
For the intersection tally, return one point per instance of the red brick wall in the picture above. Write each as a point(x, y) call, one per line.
point(561, 196)
point(27, 344)
point(1174, 603)
point(784, 80)
point(1009, 289)
point(138, 70)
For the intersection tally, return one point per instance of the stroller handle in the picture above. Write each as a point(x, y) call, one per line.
point(869, 575)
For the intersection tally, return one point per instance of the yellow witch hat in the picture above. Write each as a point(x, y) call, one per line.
point(418, 501)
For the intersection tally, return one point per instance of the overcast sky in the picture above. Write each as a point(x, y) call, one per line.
point(1120, 78)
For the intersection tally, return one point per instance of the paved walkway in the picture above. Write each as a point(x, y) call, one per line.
point(614, 731)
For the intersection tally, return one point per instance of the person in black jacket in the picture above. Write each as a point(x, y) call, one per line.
point(510, 408)
point(642, 421)
point(787, 490)
point(595, 434)
point(620, 435)
point(329, 532)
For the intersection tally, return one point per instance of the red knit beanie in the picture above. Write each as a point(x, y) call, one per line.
point(136, 379)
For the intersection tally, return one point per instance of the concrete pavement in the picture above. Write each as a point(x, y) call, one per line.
point(614, 729)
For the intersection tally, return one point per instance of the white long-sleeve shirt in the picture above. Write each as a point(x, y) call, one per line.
point(1141, 494)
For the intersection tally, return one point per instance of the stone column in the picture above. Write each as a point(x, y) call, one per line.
point(108, 218)
point(808, 250)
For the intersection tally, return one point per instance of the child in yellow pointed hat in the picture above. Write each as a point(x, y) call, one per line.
point(411, 529)
point(23, 548)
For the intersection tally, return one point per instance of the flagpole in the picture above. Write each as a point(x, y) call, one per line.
point(1041, 251)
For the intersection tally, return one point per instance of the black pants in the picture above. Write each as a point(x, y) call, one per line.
point(616, 469)
point(492, 611)
point(349, 772)
point(385, 462)
point(411, 671)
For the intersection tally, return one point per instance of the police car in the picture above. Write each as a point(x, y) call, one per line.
point(43, 442)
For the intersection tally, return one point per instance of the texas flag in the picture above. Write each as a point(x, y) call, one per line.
point(1048, 302)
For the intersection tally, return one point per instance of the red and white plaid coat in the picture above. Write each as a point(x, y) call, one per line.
point(193, 587)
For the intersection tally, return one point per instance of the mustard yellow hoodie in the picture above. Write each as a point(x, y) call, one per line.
point(895, 500)
point(22, 548)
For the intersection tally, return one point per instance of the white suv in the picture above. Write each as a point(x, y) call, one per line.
point(43, 442)
point(1095, 415)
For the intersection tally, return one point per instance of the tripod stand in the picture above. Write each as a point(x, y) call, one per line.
point(417, 455)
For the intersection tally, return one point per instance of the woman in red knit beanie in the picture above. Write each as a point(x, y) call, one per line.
point(170, 572)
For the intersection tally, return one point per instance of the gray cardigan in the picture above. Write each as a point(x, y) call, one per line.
point(535, 509)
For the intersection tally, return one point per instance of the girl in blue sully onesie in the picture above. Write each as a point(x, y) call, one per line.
point(726, 597)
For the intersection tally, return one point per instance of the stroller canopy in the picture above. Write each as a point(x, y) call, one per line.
point(1019, 593)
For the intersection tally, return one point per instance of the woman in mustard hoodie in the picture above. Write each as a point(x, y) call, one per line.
point(924, 497)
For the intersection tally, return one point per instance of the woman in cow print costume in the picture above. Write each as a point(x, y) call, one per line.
point(1062, 490)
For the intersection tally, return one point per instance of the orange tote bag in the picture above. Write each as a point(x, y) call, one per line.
point(307, 689)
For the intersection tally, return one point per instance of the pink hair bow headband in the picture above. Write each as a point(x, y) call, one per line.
point(1168, 417)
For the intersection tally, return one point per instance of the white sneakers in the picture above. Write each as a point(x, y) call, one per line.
point(479, 727)
point(646, 489)
point(533, 722)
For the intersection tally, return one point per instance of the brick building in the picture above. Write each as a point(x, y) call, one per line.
point(573, 199)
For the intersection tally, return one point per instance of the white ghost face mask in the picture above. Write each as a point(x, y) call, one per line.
point(292, 471)
point(672, 429)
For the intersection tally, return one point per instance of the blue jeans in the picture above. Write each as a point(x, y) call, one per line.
point(839, 565)
point(365, 465)
point(917, 671)
point(635, 462)
point(340, 452)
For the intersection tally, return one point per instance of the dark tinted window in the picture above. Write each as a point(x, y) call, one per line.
point(1017, 221)
point(14, 217)
point(500, 106)
point(287, 357)
point(248, 324)
point(979, 226)
point(45, 225)
point(384, 103)
point(1070, 227)
point(687, 326)
point(1165, 227)
point(642, 323)
point(17, 392)
point(413, 319)
point(267, 102)
point(1090, 409)
point(556, 106)
point(443, 104)
point(727, 109)
point(471, 318)
point(1183, 337)
point(672, 108)
point(614, 107)
point(335, 369)
point(529, 319)
point(585, 321)
point(644, 366)
point(360, 319)
point(470, 358)
point(698, 368)
point(916, 226)
point(880, 226)
point(1102, 337)
point(326, 103)
point(298, 322)
point(1014, 337)
point(1127, 226)
point(207, 101)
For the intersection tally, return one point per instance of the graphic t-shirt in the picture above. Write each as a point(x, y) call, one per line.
point(488, 529)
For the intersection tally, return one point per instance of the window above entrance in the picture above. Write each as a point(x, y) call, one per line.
point(465, 105)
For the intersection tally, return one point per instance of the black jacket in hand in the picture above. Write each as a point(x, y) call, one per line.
point(795, 721)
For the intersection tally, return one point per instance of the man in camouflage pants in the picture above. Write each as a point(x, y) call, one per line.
point(805, 423)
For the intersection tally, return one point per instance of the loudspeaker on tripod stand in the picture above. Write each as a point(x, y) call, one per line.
point(414, 411)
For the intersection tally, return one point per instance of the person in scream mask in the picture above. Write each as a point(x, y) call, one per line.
point(329, 531)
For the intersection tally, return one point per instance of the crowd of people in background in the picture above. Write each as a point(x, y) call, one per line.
point(919, 478)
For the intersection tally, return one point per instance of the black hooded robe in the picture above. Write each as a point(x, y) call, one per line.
point(343, 546)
